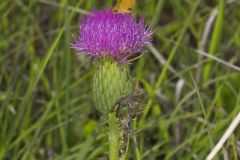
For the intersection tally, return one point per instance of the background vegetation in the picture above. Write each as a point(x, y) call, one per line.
point(190, 77)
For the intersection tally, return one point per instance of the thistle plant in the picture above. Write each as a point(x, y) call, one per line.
point(111, 39)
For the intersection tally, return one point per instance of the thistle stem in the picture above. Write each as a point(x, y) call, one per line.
point(114, 136)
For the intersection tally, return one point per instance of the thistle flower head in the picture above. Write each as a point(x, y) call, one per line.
point(119, 36)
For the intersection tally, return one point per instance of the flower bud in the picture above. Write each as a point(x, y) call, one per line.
point(111, 82)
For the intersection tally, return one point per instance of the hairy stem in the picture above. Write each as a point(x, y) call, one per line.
point(114, 136)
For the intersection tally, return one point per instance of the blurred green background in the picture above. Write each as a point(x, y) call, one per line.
point(189, 74)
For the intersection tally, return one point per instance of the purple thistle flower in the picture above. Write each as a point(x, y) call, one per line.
point(103, 33)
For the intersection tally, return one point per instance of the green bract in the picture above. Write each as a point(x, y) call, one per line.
point(111, 83)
